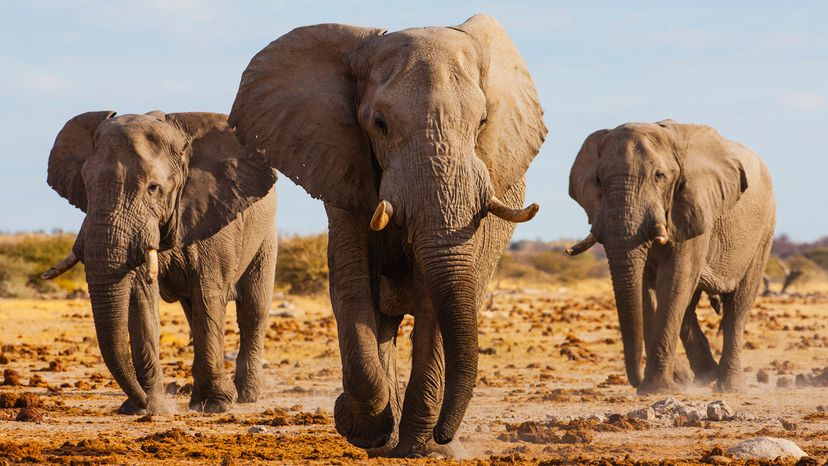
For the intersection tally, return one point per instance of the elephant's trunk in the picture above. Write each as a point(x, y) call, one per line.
point(110, 310)
point(627, 272)
point(450, 276)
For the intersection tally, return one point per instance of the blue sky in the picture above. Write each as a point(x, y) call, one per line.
point(756, 71)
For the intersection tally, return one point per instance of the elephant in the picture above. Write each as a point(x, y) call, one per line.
point(176, 209)
point(680, 211)
point(417, 142)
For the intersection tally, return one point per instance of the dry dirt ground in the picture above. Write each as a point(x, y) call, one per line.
point(550, 360)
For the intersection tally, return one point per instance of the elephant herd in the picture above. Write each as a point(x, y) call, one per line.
point(417, 142)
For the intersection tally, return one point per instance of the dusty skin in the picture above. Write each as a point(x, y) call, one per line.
point(544, 352)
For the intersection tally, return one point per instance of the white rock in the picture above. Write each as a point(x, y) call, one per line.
point(257, 429)
point(597, 417)
point(645, 414)
point(766, 448)
point(694, 413)
point(231, 355)
point(719, 411)
point(666, 406)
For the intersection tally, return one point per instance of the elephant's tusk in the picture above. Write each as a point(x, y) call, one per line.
point(581, 246)
point(661, 235)
point(61, 267)
point(499, 209)
point(382, 215)
point(152, 265)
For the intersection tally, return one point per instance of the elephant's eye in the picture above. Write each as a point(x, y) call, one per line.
point(483, 122)
point(659, 175)
point(380, 123)
point(153, 188)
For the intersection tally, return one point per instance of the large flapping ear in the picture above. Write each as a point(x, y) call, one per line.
point(223, 177)
point(514, 130)
point(712, 179)
point(73, 145)
point(583, 178)
point(296, 105)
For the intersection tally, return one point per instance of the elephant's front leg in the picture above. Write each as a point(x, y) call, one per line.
point(676, 283)
point(362, 413)
point(681, 373)
point(213, 392)
point(144, 334)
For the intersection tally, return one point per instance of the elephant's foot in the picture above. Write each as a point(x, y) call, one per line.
point(361, 429)
point(248, 390)
point(431, 449)
point(658, 385)
point(729, 383)
point(131, 407)
point(217, 399)
point(682, 375)
point(706, 376)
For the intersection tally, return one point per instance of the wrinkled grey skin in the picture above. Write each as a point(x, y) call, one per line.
point(716, 200)
point(435, 121)
point(177, 183)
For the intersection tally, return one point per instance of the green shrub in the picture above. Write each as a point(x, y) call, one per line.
point(819, 256)
point(302, 265)
point(24, 257)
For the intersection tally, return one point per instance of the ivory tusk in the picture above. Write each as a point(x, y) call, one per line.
point(581, 246)
point(152, 264)
point(382, 215)
point(61, 267)
point(661, 236)
point(499, 209)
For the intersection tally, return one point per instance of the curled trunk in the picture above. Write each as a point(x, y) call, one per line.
point(449, 275)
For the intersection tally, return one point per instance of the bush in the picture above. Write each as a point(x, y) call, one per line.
point(534, 264)
point(24, 257)
point(302, 265)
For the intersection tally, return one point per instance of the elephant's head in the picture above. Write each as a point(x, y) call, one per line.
point(644, 186)
point(426, 127)
point(146, 183)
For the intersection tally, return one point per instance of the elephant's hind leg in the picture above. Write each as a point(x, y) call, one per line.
point(254, 294)
point(736, 306)
point(697, 346)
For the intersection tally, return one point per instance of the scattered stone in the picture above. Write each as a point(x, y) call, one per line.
point(762, 376)
point(29, 415)
point(37, 381)
point(693, 413)
point(27, 400)
point(788, 425)
point(645, 414)
point(717, 459)
point(784, 382)
point(719, 411)
point(766, 448)
point(145, 418)
point(7, 400)
point(172, 388)
point(11, 378)
point(597, 417)
point(257, 429)
point(231, 355)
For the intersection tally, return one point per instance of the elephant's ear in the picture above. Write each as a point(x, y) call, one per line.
point(514, 129)
point(223, 177)
point(583, 178)
point(712, 180)
point(296, 105)
point(73, 145)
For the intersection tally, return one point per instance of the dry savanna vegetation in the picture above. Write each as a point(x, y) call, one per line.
point(551, 387)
